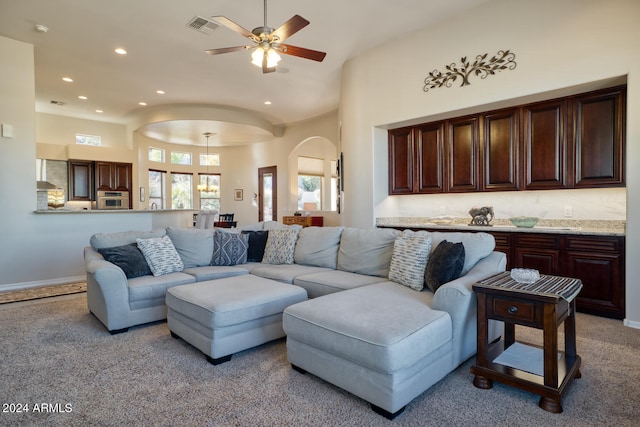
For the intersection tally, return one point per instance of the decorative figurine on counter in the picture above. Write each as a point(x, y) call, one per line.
point(481, 216)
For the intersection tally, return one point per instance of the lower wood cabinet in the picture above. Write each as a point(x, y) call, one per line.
point(305, 221)
point(597, 260)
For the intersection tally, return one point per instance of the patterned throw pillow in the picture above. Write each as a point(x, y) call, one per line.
point(229, 248)
point(445, 264)
point(409, 260)
point(161, 255)
point(281, 245)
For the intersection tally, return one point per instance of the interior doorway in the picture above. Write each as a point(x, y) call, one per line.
point(268, 194)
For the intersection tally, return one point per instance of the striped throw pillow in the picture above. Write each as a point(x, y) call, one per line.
point(409, 260)
point(161, 255)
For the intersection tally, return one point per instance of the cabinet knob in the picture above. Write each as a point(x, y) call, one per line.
point(513, 309)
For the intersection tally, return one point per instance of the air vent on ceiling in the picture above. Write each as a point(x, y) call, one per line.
point(202, 24)
point(57, 102)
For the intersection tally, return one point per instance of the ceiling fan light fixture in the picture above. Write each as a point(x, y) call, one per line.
point(258, 56)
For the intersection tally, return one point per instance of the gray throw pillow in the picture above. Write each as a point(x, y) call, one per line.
point(128, 258)
point(445, 264)
point(409, 259)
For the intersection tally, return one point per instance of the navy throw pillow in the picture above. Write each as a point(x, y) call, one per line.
point(445, 264)
point(128, 258)
point(257, 243)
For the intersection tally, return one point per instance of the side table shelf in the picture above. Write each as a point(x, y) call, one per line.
point(545, 305)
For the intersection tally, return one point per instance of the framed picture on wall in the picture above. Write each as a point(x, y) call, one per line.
point(237, 194)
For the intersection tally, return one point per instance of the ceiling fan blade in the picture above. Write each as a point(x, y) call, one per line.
point(226, 50)
point(226, 22)
point(314, 55)
point(290, 27)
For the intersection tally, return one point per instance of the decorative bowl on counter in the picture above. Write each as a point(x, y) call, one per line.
point(441, 220)
point(524, 275)
point(524, 221)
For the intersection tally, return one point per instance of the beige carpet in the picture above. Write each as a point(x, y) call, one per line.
point(54, 351)
point(42, 292)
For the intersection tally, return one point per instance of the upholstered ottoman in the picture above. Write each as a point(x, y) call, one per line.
point(224, 316)
point(380, 342)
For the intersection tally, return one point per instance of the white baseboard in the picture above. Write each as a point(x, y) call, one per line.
point(631, 323)
point(39, 283)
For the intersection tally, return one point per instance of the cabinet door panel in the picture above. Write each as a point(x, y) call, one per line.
point(122, 176)
point(500, 150)
point(429, 145)
point(80, 180)
point(462, 153)
point(546, 261)
point(599, 139)
point(545, 146)
point(601, 275)
point(104, 176)
point(400, 161)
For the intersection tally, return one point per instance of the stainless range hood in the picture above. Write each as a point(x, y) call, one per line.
point(46, 185)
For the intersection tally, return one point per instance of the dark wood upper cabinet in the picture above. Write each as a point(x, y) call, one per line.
point(401, 161)
point(462, 154)
point(429, 152)
point(500, 150)
point(572, 142)
point(113, 176)
point(599, 138)
point(544, 146)
point(81, 180)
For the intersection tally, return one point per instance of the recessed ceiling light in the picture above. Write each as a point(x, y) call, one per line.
point(41, 28)
point(68, 79)
point(82, 97)
point(120, 51)
point(142, 103)
point(267, 102)
point(160, 92)
point(99, 111)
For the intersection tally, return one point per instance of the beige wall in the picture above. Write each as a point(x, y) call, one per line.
point(561, 47)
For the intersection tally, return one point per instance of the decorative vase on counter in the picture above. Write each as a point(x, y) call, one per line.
point(481, 216)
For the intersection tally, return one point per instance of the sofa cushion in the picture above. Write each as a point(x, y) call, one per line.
point(327, 282)
point(128, 258)
point(366, 251)
point(444, 265)
point(150, 291)
point(229, 248)
point(280, 247)
point(409, 259)
point(194, 245)
point(161, 255)
point(476, 245)
point(110, 240)
point(285, 273)
point(212, 272)
point(257, 243)
point(384, 327)
point(318, 246)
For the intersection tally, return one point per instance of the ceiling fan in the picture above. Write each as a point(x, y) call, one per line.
point(268, 41)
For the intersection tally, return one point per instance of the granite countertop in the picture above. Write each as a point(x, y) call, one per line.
point(551, 226)
point(116, 211)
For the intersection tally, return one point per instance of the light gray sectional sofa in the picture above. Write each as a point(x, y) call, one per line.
point(377, 338)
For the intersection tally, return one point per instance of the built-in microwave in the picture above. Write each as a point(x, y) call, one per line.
point(112, 199)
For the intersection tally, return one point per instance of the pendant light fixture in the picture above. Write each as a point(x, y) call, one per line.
point(207, 186)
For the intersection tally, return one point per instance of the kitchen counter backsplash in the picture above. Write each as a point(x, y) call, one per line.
point(564, 226)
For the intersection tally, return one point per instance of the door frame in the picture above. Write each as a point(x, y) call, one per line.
point(273, 170)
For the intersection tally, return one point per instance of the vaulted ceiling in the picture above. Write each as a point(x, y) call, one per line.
point(165, 54)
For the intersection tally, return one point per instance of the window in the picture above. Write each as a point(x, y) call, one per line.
point(181, 193)
point(210, 200)
point(94, 140)
point(209, 159)
point(157, 194)
point(156, 155)
point(178, 158)
point(309, 193)
point(310, 177)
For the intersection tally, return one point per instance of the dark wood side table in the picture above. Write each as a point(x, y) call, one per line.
point(545, 305)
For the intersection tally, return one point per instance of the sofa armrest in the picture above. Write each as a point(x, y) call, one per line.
point(458, 299)
point(107, 291)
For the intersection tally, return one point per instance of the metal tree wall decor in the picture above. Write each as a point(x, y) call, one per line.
point(503, 60)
